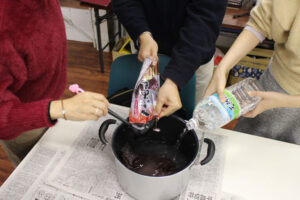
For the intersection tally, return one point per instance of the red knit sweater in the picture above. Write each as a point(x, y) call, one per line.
point(32, 63)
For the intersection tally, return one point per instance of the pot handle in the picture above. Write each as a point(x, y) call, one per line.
point(103, 128)
point(210, 151)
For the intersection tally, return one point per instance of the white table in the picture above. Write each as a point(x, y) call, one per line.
point(255, 168)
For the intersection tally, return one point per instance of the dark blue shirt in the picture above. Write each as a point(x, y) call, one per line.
point(186, 30)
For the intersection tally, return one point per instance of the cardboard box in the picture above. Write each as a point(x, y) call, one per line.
point(253, 65)
point(122, 47)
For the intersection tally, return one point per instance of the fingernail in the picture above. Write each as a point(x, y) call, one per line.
point(222, 99)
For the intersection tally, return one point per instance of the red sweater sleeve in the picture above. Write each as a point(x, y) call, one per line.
point(17, 117)
point(33, 58)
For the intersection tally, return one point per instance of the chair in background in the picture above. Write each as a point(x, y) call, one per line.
point(125, 71)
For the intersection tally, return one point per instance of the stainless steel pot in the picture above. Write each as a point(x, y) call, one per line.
point(147, 187)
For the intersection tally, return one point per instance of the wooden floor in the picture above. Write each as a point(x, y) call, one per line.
point(6, 168)
point(83, 69)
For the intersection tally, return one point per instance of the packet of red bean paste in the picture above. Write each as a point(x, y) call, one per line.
point(142, 111)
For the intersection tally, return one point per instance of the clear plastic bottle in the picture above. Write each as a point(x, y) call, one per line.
point(210, 113)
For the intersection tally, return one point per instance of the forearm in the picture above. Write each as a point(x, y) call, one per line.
point(292, 101)
point(244, 43)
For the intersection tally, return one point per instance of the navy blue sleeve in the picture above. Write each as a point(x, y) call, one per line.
point(131, 14)
point(197, 39)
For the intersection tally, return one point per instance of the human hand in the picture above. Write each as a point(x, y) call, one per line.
point(268, 101)
point(217, 84)
point(168, 100)
point(83, 106)
point(148, 48)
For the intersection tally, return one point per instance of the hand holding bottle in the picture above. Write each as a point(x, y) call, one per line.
point(244, 43)
point(217, 84)
point(211, 113)
point(271, 100)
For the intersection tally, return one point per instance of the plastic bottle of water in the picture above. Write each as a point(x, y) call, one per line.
point(210, 113)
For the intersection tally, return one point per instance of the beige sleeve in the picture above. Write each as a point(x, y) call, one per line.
point(261, 18)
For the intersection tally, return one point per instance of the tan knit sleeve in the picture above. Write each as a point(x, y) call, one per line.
point(261, 18)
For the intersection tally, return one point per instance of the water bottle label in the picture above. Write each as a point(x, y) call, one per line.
point(216, 101)
point(230, 106)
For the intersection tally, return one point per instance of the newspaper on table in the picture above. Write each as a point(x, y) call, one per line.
point(17, 186)
point(86, 171)
point(89, 170)
point(28, 183)
point(206, 181)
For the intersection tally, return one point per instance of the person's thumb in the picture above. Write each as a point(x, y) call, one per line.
point(158, 107)
point(165, 112)
point(208, 92)
point(154, 56)
point(155, 61)
point(256, 93)
point(140, 57)
point(221, 95)
point(143, 54)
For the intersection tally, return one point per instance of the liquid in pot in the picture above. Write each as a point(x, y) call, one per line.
point(156, 158)
point(156, 153)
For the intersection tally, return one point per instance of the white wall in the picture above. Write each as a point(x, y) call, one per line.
point(80, 25)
